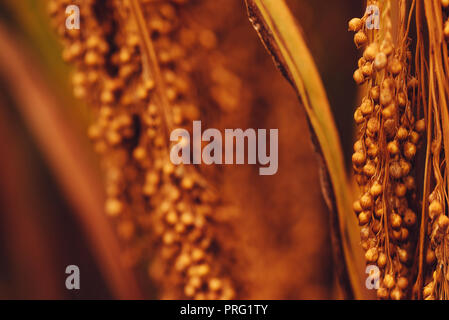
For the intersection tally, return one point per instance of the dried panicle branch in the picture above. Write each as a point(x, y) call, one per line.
point(388, 137)
point(134, 61)
point(435, 199)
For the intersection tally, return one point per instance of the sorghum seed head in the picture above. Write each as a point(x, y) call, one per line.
point(355, 24)
point(360, 38)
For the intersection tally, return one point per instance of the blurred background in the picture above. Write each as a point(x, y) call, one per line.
point(51, 191)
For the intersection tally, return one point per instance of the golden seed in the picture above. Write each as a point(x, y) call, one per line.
point(364, 217)
point(382, 260)
point(420, 125)
point(395, 170)
point(393, 147)
point(369, 169)
point(403, 255)
point(371, 51)
point(396, 294)
point(403, 283)
point(376, 189)
point(409, 150)
point(430, 256)
point(410, 182)
point(358, 146)
point(400, 190)
point(379, 212)
point(405, 167)
point(364, 233)
point(409, 218)
point(215, 284)
point(358, 116)
point(375, 93)
point(358, 158)
point(373, 125)
point(402, 99)
point(382, 293)
point(395, 66)
point(386, 47)
point(371, 255)
point(389, 281)
point(386, 96)
point(373, 151)
point(404, 234)
point(355, 24)
point(366, 107)
point(445, 3)
point(357, 207)
point(113, 207)
point(395, 220)
point(380, 61)
point(435, 209)
point(360, 38)
point(414, 137)
point(402, 133)
point(358, 76)
point(367, 69)
point(361, 62)
point(443, 222)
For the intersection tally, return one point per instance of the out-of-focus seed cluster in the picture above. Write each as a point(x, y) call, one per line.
point(437, 246)
point(383, 157)
point(154, 204)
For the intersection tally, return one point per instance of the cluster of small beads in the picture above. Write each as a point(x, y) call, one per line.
point(383, 158)
point(146, 194)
